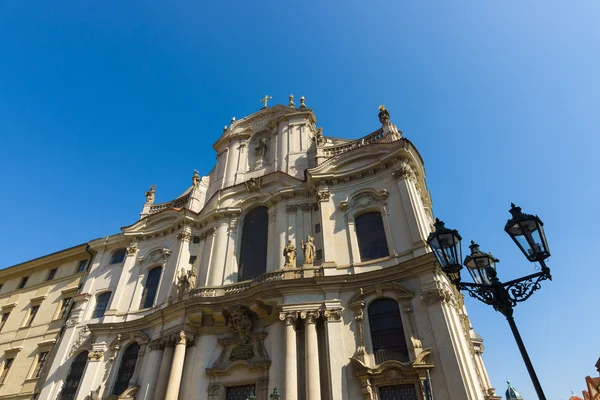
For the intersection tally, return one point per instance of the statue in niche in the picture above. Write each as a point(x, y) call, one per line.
point(191, 276)
point(150, 194)
point(309, 250)
point(241, 324)
point(319, 138)
point(196, 179)
point(384, 115)
point(261, 149)
point(289, 252)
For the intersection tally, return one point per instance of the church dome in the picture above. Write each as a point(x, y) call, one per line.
point(512, 394)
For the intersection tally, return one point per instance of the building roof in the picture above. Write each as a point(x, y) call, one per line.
point(575, 398)
point(512, 394)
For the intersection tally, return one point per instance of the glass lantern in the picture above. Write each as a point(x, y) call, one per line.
point(445, 244)
point(527, 231)
point(481, 266)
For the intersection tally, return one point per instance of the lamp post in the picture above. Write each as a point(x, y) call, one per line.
point(527, 231)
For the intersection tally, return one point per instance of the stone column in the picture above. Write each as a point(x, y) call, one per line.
point(323, 197)
point(291, 360)
point(128, 264)
point(231, 264)
point(352, 241)
point(412, 206)
point(150, 376)
point(165, 367)
point(176, 367)
point(215, 272)
point(93, 373)
point(313, 380)
point(336, 359)
point(272, 244)
point(281, 235)
point(208, 237)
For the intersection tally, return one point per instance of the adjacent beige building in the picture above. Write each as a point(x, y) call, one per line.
point(35, 300)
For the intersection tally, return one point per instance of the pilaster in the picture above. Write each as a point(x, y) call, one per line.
point(326, 209)
point(217, 265)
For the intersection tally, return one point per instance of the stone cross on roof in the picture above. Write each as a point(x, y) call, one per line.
point(265, 100)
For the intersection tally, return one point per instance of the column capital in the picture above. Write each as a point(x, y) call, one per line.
point(132, 249)
point(323, 195)
point(289, 317)
point(156, 344)
point(404, 171)
point(310, 316)
point(96, 355)
point(333, 315)
point(185, 235)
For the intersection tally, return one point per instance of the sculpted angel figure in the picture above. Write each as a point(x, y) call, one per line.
point(196, 179)
point(289, 252)
point(309, 250)
point(150, 194)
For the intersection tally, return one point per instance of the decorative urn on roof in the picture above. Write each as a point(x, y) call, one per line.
point(512, 394)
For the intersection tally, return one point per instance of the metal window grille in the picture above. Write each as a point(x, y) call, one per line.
point(387, 333)
point(398, 392)
point(127, 368)
point(239, 392)
point(74, 377)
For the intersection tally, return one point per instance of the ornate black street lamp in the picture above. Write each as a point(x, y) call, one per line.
point(527, 231)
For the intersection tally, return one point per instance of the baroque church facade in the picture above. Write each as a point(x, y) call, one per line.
point(298, 265)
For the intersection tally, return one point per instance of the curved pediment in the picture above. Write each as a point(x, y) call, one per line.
point(154, 223)
point(260, 122)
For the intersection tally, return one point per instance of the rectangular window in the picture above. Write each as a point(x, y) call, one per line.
point(40, 364)
point(317, 228)
point(51, 274)
point(23, 282)
point(3, 321)
point(1, 286)
point(242, 392)
point(319, 255)
point(196, 239)
point(64, 308)
point(7, 364)
point(32, 314)
point(192, 259)
point(398, 392)
point(81, 266)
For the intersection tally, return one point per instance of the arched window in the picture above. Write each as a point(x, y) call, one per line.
point(101, 304)
point(149, 293)
point(127, 368)
point(371, 236)
point(387, 333)
point(117, 256)
point(74, 377)
point(253, 255)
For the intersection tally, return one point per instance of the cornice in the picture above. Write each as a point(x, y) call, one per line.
point(264, 295)
point(51, 283)
point(42, 262)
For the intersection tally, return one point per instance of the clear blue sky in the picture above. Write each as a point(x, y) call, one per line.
point(98, 101)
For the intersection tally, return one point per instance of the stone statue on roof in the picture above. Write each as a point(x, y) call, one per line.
point(196, 179)
point(384, 115)
point(150, 194)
